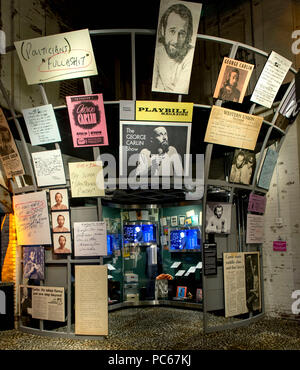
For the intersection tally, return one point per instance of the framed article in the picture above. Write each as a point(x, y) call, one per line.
point(233, 80)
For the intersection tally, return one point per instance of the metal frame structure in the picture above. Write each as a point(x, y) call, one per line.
point(235, 46)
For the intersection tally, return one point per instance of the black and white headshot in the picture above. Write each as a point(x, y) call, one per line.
point(175, 45)
point(218, 218)
point(243, 167)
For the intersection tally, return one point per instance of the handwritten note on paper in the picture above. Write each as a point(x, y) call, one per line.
point(32, 220)
point(86, 179)
point(90, 238)
point(49, 167)
point(41, 125)
point(232, 128)
point(270, 80)
point(57, 57)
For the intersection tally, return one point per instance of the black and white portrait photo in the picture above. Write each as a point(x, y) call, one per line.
point(159, 147)
point(175, 44)
point(218, 217)
point(243, 167)
point(252, 275)
point(34, 265)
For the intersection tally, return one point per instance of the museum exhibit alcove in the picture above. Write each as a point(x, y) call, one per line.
point(167, 211)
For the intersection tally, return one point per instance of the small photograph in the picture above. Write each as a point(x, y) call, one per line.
point(59, 199)
point(25, 301)
point(243, 167)
point(218, 217)
point(252, 273)
point(60, 222)
point(34, 263)
point(62, 243)
point(181, 291)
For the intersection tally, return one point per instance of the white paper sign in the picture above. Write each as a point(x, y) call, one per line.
point(180, 273)
point(49, 167)
point(32, 220)
point(175, 265)
point(90, 238)
point(255, 229)
point(270, 80)
point(41, 125)
point(57, 57)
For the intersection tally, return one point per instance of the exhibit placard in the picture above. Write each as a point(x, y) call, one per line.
point(57, 57)
point(210, 259)
point(91, 300)
point(87, 119)
point(255, 229)
point(48, 303)
point(86, 179)
point(270, 79)
point(41, 125)
point(90, 238)
point(9, 153)
point(232, 128)
point(32, 219)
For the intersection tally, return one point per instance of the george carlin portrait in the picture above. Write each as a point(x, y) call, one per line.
point(60, 222)
point(218, 217)
point(59, 199)
point(175, 44)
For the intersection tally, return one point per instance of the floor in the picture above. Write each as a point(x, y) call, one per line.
point(164, 328)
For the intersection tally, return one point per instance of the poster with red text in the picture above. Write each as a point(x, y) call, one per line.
point(87, 119)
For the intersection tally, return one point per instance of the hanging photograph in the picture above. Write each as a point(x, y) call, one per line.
point(62, 243)
point(60, 222)
point(87, 120)
point(32, 219)
point(218, 217)
point(49, 167)
point(233, 80)
point(33, 263)
point(177, 30)
point(9, 154)
point(41, 125)
point(243, 167)
point(59, 199)
point(57, 57)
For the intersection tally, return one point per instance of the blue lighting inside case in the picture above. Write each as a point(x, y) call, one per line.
point(185, 240)
point(113, 243)
point(139, 233)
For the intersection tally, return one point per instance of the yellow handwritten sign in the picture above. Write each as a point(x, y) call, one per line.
point(86, 179)
point(57, 57)
point(164, 111)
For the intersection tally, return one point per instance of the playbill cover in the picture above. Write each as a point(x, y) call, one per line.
point(9, 154)
point(233, 80)
point(175, 45)
point(154, 137)
point(87, 119)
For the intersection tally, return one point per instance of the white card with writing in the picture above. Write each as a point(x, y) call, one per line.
point(41, 125)
point(49, 167)
point(90, 238)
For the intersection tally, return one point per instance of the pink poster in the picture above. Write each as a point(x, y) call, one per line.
point(87, 119)
point(257, 203)
point(279, 246)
